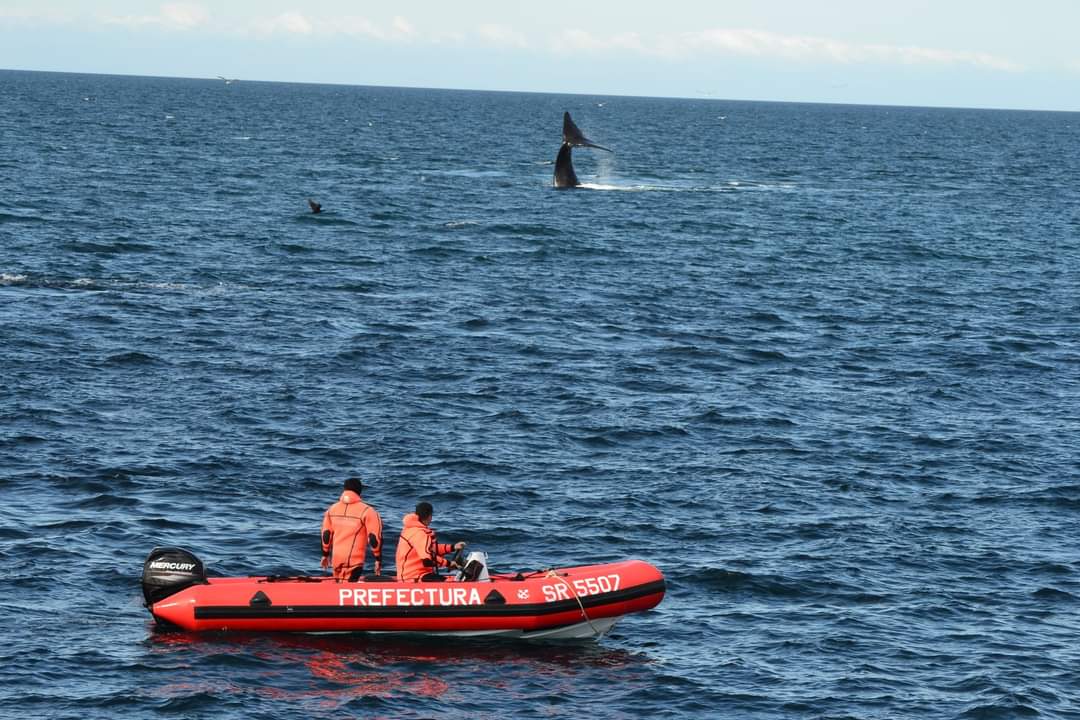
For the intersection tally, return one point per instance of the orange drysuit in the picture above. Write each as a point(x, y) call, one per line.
point(349, 527)
point(417, 552)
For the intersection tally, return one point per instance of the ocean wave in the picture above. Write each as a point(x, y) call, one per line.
point(466, 466)
point(741, 416)
point(100, 248)
point(324, 218)
point(133, 357)
point(614, 437)
point(22, 441)
point(56, 284)
point(439, 252)
point(159, 523)
point(103, 284)
point(69, 525)
point(13, 218)
point(105, 501)
point(467, 173)
point(1007, 706)
point(12, 279)
point(1054, 595)
point(528, 230)
point(761, 356)
point(777, 586)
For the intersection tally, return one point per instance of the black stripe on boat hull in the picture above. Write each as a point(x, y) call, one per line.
point(292, 612)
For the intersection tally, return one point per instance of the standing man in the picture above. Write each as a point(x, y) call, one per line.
point(350, 526)
point(418, 553)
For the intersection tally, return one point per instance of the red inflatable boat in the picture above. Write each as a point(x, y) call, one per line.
point(566, 603)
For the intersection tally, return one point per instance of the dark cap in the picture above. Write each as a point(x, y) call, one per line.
point(355, 485)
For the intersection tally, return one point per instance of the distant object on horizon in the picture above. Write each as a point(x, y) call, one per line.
point(571, 137)
point(315, 207)
point(227, 80)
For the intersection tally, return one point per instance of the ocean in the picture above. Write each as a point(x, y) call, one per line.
point(819, 364)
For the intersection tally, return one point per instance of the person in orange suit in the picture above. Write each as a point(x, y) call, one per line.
point(419, 554)
point(349, 528)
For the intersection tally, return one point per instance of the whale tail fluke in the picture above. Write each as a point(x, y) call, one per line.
point(572, 135)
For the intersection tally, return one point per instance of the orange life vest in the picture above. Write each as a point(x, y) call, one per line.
point(417, 552)
point(349, 527)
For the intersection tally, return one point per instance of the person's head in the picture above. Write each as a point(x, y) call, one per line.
point(355, 485)
point(424, 511)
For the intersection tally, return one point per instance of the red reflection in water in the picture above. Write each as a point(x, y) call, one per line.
point(341, 669)
point(350, 668)
point(384, 683)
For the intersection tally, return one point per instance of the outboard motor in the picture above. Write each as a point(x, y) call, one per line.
point(475, 568)
point(169, 570)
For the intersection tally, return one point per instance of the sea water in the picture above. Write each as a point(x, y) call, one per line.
point(819, 364)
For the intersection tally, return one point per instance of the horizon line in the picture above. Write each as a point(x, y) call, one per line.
point(701, 97)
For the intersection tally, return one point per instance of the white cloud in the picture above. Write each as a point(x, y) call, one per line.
point(357, 26)
point(737, 42)
point(908, 55)
point(502, 36)
point(402, 28)
point(292, 23)
point(809, 48)
point(575, 40)
point(174, 16)
point(769, 45)
point(295, 23)
point(183, 15)
point(447, 37)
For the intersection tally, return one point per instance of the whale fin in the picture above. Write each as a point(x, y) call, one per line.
point(572, 135)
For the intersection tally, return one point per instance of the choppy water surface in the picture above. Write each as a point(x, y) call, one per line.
point(817, 363)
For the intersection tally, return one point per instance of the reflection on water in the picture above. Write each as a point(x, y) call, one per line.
point(346, 668)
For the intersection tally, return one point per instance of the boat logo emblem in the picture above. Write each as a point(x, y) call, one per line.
point(523, 594)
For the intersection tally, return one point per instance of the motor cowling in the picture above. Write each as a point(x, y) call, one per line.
point(475, 568)
point(167, 571)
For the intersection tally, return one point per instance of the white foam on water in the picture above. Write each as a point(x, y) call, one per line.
point(621, 188)
point(726, 187)
point(118, 285)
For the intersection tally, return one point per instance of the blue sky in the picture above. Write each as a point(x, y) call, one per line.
point(958, 53)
